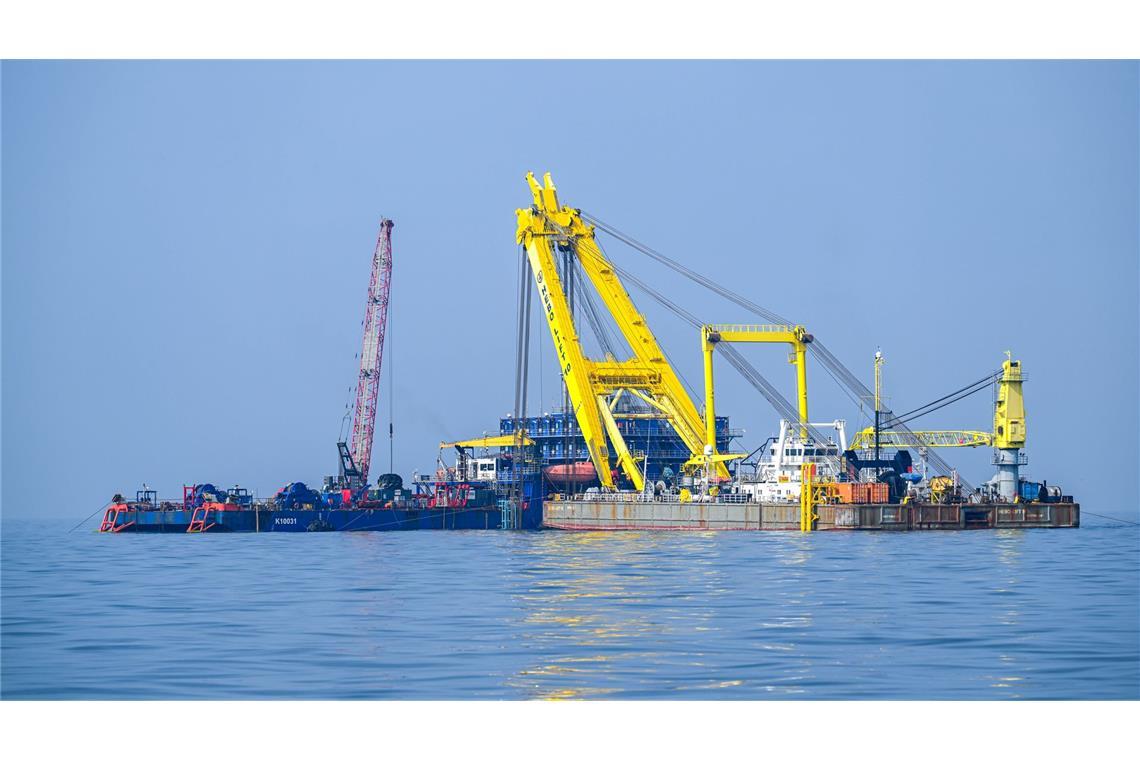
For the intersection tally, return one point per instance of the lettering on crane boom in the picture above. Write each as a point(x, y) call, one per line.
point(548, 304)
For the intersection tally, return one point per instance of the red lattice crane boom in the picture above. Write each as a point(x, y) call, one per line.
point(356, 456)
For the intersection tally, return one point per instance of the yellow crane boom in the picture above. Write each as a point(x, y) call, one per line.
point(934, 439)
point(544, 227)
point(488, 441)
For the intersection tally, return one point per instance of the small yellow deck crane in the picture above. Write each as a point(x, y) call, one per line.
point(1007, 438)
point(489, 441)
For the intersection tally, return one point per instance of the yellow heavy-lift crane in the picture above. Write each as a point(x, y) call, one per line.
point(548, 227)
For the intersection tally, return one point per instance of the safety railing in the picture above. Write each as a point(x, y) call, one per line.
point(999, 458)
point(665, 498)
point(752, 328)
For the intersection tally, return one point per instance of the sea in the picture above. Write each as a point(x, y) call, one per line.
point(979, 615)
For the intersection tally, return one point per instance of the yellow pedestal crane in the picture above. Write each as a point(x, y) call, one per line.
point(489, 441)
point(1007, 438)
point(463, 449)
point(547, 227)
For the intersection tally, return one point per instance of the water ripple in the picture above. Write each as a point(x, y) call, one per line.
point(492, 615)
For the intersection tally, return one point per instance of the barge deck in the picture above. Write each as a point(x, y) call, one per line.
point(602, 514)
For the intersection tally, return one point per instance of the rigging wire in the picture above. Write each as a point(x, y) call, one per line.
point(603, 255)
point(825, 356)
point(684, 270)
point(982, 382)
point(1109, 517)
point(606, 340)
point(734, 357)
point(903, 419)
point(541, 366)
point(391, 400)
point(103, 508)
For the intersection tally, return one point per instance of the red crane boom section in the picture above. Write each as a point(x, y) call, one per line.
point(372, 351)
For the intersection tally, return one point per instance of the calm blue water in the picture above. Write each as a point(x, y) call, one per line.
point(979, 615)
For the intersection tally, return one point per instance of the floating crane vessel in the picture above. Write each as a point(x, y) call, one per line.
point(631, 448)
point(806, 480)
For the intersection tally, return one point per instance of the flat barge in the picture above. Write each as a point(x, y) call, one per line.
point(615, 514)
point(297, 509)
point(270, 520)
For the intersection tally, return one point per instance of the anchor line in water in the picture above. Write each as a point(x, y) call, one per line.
point(1108, 517)
point(103, 508)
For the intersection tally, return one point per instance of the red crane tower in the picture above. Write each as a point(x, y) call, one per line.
point(356, 454)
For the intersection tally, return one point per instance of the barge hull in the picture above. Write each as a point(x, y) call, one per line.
point(312, 521)
point(633, 515)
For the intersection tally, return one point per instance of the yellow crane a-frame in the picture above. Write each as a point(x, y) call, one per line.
point(591, 384)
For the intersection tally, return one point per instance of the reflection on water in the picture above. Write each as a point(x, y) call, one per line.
point(607, 603)
point(659, 603)
point(555, 615)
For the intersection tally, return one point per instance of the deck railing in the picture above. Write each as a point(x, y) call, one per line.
point(666, 498)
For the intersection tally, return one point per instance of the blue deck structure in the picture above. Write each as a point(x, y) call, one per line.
point(559, 441)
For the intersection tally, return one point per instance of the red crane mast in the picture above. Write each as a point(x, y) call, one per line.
point(356, 464)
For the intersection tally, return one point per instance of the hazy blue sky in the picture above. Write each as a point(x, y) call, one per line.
point(186, 249)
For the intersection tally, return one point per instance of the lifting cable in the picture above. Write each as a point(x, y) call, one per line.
point(946, 400)
point(674, 308)
point(829, 361)
point(843, 377)
point(731, 354)
point(684, 270)
point(601, 332)
point(522, 368)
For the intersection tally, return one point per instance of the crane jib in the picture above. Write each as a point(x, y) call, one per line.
point(372, 352)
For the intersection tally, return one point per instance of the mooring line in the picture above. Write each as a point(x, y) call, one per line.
point(103, 508)
point(1108, 517)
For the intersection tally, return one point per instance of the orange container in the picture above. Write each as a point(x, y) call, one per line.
point(844, 490)
point(880, 493)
